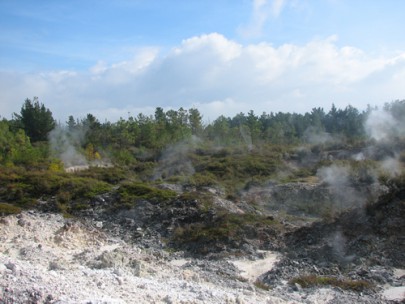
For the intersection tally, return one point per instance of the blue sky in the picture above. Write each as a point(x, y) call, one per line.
point(111, 58)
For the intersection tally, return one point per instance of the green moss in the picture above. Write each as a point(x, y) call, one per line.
point(6, 209)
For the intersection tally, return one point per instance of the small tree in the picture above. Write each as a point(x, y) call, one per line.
point(35, 119)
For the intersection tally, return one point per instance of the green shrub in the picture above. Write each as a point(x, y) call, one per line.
point(25, 187)
point(129, 193)
point(111, 175)
point(203, 179)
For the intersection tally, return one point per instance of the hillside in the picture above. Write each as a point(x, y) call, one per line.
point(108, 219)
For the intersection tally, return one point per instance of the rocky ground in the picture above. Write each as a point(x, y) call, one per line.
point(129, 256)
point(48, 259)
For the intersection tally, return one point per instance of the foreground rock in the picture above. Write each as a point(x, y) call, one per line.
point(48, 259)
point(45, 258)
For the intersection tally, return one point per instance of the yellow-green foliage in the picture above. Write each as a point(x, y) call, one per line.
point(111, 175)
point(313, 280)
point(56, 166)
point(6, 209)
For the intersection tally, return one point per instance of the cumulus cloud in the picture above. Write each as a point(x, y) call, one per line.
point(219, 76)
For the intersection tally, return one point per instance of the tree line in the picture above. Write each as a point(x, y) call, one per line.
point(25, 136)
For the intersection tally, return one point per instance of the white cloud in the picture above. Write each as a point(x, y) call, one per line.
point(262, 10)
point(214, 43)
point(217, 75)
point(277, 6)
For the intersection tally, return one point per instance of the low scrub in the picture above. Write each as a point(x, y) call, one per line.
point(346, 284)
point(7, 209)
point(129, 193)
point(226, 228)
point(23, 188)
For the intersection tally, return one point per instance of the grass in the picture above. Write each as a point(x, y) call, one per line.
point(346, 284)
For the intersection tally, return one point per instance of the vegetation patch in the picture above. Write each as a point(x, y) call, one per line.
point(261, 285)
point(7, 209)
point(129, 193)
point(226, 228)
point(111, 175)
point(346, 284)
point(203, 200)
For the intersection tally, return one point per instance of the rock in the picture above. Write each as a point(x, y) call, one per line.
point(297, 287)
point(11, 266)
point(98, 224)
point(240, 300)
point(49, 299)
point(170, 299)
point(22, 222)
point(55, 265)
point(112, 259)
point(138, 268)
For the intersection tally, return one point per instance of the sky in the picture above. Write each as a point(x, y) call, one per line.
point(120, 58)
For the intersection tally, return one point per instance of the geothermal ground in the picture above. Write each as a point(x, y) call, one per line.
point(45, 258)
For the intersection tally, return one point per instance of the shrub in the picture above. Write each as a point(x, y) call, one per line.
point(6, 209)
point(224, 228)
point(129, 193)
point(205, 179)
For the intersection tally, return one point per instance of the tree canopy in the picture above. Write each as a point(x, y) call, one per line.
point(126, 139)
point(35, 119)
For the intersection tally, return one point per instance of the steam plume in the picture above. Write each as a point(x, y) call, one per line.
point(175, 161)
point(63, 145)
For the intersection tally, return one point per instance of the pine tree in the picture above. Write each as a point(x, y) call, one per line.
point(35, 119)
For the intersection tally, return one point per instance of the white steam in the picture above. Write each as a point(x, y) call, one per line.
point(246, 135)
point(382, 126)
point(175, 160)
point(340, 186)
point(335, 176)
point(63, 145)
point(315, 136)
point(391, 166)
